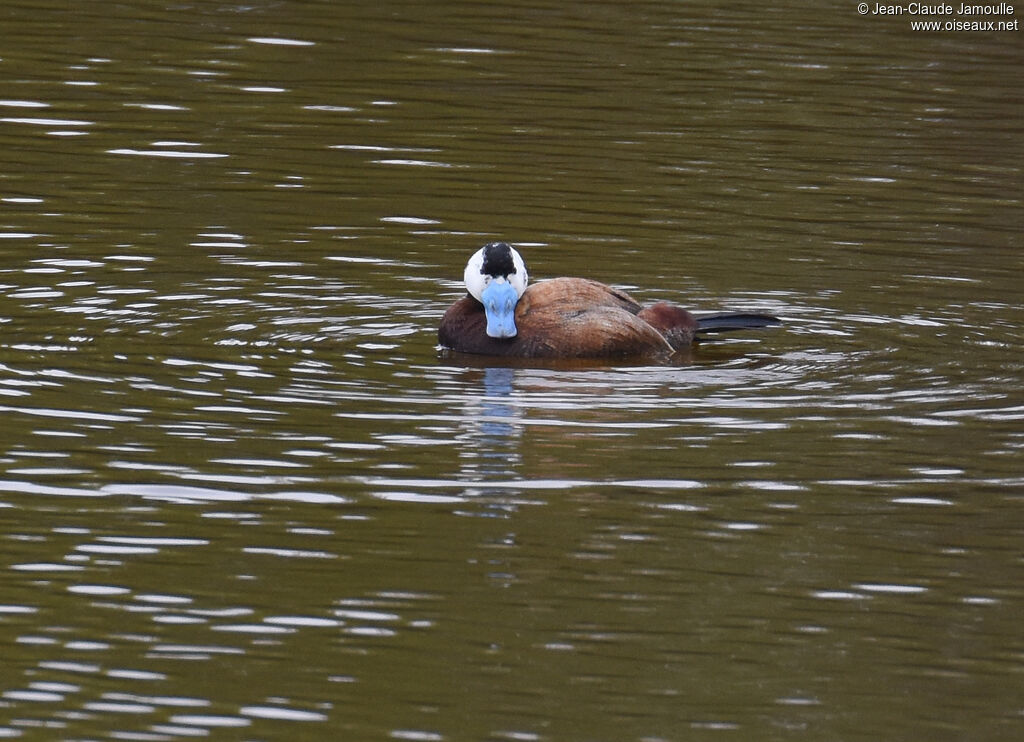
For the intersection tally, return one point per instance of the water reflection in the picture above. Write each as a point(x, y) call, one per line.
point(208, 630)
point(489, 448)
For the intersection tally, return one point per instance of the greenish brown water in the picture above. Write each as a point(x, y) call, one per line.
point(244, 496)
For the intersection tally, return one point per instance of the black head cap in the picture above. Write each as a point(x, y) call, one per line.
point(498, 260)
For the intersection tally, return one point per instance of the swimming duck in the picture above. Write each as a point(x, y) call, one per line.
point(566, 317)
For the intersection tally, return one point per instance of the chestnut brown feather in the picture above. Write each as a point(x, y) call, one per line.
point(571, 318)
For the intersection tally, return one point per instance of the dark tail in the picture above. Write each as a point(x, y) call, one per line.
point(727, 322)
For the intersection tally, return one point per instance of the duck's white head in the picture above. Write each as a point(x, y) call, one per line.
point(496, 277)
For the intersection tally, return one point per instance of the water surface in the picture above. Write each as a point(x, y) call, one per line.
point(244, 495)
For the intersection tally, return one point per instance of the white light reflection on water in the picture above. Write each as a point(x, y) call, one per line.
point(44, 121)
point(176, 154)
point(281, 713)
point(279, 41)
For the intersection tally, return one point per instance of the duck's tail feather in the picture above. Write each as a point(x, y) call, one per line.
point(727, 322)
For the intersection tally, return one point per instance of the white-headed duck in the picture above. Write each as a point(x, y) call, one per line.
point(566, 317)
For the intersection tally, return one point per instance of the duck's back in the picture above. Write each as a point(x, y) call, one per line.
point(559, 318)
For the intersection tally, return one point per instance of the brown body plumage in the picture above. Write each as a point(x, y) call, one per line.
point(572, 318)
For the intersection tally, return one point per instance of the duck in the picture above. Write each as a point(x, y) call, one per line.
point(503, 315)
